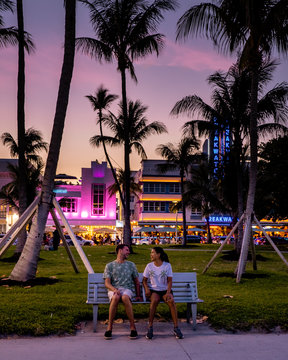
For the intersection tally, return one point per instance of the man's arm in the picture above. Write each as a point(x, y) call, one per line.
point(137, 287)
point(110, 287)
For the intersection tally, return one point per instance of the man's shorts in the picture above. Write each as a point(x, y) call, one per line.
point(123, 291)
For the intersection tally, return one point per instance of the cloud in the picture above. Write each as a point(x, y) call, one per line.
point(176, 55)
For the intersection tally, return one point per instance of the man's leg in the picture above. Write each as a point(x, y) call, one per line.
point(112, 310)
point(129, 310)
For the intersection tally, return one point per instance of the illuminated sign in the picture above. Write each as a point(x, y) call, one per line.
point(220, 219)
point(60, 191)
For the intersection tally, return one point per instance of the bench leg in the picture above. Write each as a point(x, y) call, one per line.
point(194, 315)
point(95, 316)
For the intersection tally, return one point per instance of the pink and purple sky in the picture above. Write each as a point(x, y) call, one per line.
point(180, 70)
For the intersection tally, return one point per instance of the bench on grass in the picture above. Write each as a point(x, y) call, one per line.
point(184, 291)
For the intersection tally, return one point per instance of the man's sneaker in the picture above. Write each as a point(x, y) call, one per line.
point(133, 334)
point(178, 333)
point(108, 335)
point(149, 334)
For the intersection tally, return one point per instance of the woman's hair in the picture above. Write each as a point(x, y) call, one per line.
point(163, 255)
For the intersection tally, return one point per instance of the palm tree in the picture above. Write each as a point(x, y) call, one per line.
point(202, 192)
point(23, 180)
point(124, 30)
point(8, 36)
point(180, 157)
point(135, 188)
point(255, 27)
point(101, 101)
point(33, 144)
point(26, 267)
point(230, 106)
point(33, 165)
point(138, 131)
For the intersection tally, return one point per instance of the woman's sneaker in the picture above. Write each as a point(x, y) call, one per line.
point(149, 334)
point(108, 335)
point(178, 334)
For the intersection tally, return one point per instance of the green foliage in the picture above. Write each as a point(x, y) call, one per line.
point(55, 301)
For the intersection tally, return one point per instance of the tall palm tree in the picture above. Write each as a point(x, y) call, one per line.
point(124, 30)
point(26, 267)
point(230, 106)
point(256, 27)
point(138, 131)
point(101, 101)
point(23, 180)
point(180, 157)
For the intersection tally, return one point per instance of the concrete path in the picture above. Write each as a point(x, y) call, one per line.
point(202, 344)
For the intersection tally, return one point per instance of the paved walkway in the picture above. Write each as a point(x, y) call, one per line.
point(202, 344)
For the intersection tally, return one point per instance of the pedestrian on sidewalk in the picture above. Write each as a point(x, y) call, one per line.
point(157, 282)
point(122, 283)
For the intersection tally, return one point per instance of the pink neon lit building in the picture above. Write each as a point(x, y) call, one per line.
point(88, 204)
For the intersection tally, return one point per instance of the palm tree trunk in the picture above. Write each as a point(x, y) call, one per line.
point(21, 125)
point(209, 239)
point(184, 242)
point(240, 203)
point(109, 162)
point(252, 174)
point(127, 226)
point(26, 267)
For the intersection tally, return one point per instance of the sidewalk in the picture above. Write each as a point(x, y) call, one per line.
point(202, 344)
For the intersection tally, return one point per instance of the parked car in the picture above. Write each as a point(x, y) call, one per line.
point(81, 240)
point(143, 241)
point(193, 239)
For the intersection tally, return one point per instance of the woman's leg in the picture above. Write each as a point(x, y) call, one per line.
point(173, 310)
point(155, 299)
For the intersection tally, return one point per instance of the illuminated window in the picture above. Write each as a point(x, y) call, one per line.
point(68, 205)
point(98, 197)
point(154, 206)
point(3, 211)
point(151, 187)
point(174, 188)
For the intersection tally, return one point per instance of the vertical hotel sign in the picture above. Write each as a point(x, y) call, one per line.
point(221, 145)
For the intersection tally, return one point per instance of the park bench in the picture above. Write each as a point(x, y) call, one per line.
point(184, 291)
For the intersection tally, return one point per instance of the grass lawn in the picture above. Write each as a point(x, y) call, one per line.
point(55, 301)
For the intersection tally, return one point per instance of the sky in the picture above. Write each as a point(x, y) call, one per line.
point(181, 69)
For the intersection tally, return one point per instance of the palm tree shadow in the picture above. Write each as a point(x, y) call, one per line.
point(41, 281)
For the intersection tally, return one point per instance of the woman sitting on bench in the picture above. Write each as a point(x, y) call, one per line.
point(159, 273)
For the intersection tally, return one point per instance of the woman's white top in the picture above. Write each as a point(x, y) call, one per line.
point(157, 275)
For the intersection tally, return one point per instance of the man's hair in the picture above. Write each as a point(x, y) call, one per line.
point(120, 246)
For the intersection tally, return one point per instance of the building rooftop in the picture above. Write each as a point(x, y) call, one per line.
point(151, 168)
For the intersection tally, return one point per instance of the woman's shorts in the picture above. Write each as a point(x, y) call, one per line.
point(160, 293)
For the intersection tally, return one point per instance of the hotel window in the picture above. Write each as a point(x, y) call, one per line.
point(154, 188)
point(195, 212)
point(154, 206)
point(68, 205)
point(3, 211)
point(174, 188)
point(98, 198)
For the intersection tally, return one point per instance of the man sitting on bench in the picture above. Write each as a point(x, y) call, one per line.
point(121, 279)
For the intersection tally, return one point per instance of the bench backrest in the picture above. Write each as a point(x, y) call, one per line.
point(184, 288)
